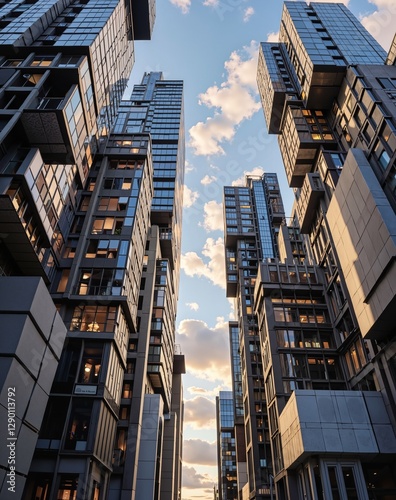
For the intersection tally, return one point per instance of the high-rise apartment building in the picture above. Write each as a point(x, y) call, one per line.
point(89, 275)
point(323, 304)
point(226, 451)
point(252, 215)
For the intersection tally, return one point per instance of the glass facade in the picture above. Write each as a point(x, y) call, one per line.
point(77, 190)
point(253, 215)
point(228, 489)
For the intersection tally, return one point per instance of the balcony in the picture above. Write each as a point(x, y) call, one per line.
point(56, 125)
point(310, 194)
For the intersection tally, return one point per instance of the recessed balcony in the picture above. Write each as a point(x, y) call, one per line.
point(310, 194)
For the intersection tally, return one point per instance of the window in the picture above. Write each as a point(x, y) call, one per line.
point(108, 225)
point(68, 487)
point(384, 159)
point(42, 61)
point(387, 83)
point(77, 434)
point(94, 319)
point(105, 249)
point(90, 364)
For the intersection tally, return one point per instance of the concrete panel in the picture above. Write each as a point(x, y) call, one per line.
point(36, 408)
point(350, 430)
point(366, 441)
point(25, 445)
point(357, 410)
point(332, 439)
point(308, 409)
point(376, 408)
point(326, 409)
point(16, 376)
point(348, 440)
point(358, 210)
point(48, 370)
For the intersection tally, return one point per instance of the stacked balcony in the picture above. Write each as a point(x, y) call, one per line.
point(309, 197)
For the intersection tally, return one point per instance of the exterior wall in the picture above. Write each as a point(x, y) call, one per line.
point(338, 145)
point(171, 471)
point(341, 423)
point(149, 469)
point(75, 204)
point(31, 341)
point(253, 215)
point(358, 210)
point(226, 447)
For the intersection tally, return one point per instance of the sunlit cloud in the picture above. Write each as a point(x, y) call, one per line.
point(213, 216)
point(206, 350)
point(194, 390)
point(208, 179)
point(273, 37)
point(189, 197)
point(248, 14)
point(205, 137)
point(193, 479)
point(198, 451)
point(241, 181)
point(212, 268)
point(234, 101)
point(193, 306)
point(200, 413)
point(183, 5)
point(381, 23)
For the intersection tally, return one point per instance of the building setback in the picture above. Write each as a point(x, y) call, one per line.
point(89, 259)
point(323, 303)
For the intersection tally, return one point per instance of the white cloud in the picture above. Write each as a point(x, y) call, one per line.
point(200, 413)
point(208, 179)
point(189, 197)
point(241, 181)
point(206, 349)
point(205, 137)
point(232, 315)
point(243, 72)
point(211, 3)
point(183, 5)
point(192, 305)
point(188, 167)
point(197, 451)
point(248, 14)
point(193, 479)
point(233, 101)
point(213, 216)
point(214, 270)
point(381, 23)
point(273, 37)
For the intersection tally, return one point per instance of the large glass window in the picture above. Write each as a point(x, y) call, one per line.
point(94, 319)
point(80, 418)
point(90, 363)
point(67, 487)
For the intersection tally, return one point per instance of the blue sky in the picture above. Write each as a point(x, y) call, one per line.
point(212, 46)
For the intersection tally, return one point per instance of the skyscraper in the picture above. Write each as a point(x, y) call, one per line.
point(92, 273)
point(322, 305)
point(226, 452)
point(252, 215)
